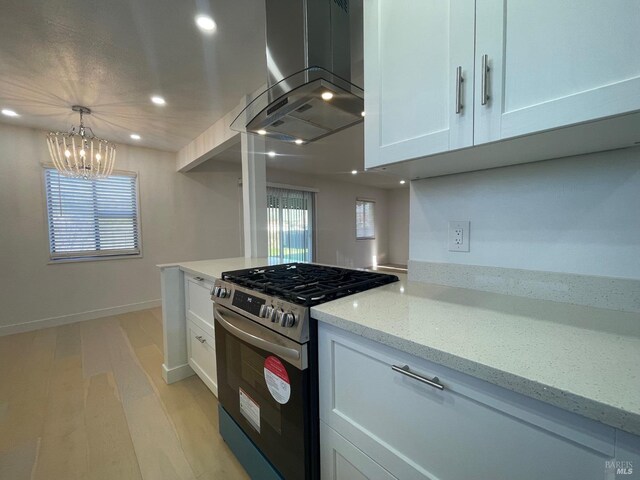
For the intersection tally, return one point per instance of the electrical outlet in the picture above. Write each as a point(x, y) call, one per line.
point(458, 236)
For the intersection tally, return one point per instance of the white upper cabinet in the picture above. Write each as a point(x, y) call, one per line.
point(412, 53)
point(554, 64)
point(542, 79)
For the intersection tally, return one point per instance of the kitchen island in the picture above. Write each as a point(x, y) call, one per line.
point(549, 376)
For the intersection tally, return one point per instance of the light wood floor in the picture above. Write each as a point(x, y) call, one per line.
point(87, 401)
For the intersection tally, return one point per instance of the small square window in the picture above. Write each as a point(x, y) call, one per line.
point(365, 220)
point(92, 218)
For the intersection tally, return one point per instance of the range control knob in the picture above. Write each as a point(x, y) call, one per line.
point(271, 313)
point(216, 291)
point(288, 319)
point(278, 316)
point(263, 311)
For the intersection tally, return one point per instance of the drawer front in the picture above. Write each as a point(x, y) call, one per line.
point(198, 303)
point(470, 429)
point(202, 355)
point(341, 460)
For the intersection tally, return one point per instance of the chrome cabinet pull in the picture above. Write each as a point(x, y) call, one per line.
point(404, 370)
point(201, 339)
point(459, 81)
point(484, 84)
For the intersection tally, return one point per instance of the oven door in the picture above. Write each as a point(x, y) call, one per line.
point(264, 384)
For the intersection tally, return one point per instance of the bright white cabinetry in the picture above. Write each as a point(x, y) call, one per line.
point(562, 78)
point(381, 418)
point(554, 64)
point(197, 302)
point(414, 49)
point(202, 355)
point(198, 308)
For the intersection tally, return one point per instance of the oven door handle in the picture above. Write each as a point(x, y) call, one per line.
point(232, 323)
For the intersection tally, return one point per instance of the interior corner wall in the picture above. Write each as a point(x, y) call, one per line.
point(573, 215)
point(184, 217)
point(335, 211)
point(398, 224)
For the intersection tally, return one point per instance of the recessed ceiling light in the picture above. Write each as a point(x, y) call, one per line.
point(262, 132)
point(9, 113)
point(158, 100)
point(299, 141)
point(327, 95)
point(272, 154)
point(205, 23)
point(354, 172)
point(402, 182)
point(135, 136)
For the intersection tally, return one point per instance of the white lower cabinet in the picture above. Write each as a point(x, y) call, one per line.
point(197, 301)
point(379, 423)
point(341, 460)
point(202, 355)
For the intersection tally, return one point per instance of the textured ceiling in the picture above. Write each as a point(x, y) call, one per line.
point(112, 55)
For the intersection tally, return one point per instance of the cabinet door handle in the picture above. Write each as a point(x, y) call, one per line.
point(459, 81)
point(484, 83)
point(404, 370)
point(199, 279)
point(201, 339)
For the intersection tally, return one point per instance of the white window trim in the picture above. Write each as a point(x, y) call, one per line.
point(96, 258)
point(356, 218)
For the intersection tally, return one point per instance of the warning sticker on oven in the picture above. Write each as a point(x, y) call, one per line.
point(277, 379)
point(250, 410)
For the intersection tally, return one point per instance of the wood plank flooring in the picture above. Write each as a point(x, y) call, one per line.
point(87, 401)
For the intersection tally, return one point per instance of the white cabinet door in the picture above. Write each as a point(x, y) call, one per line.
point(198, 303)
point(412, 49)
point(341, 460)
point(554, 64)
point(202, 355)
point(469, 430)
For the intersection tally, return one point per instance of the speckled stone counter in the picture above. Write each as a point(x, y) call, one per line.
point(582, 359)
point(212, 269)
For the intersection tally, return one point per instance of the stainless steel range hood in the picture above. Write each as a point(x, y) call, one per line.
point(309, 94)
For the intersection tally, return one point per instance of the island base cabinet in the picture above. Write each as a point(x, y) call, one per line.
point(202, 355)
point(468, 430)
point(341, 460)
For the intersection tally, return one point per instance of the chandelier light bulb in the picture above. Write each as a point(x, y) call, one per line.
point(98, 157)
point(67, 153)
point(82, 153)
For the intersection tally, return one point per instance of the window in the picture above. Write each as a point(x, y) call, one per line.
point(365, 220)
point(290, 225)
point(92, 218)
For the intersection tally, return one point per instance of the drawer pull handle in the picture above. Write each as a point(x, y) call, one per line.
point(201, 339)
point(433, 382)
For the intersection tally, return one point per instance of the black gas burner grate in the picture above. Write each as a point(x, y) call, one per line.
point(307, 284)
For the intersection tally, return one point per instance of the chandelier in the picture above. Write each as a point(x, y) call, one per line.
point(79, 153)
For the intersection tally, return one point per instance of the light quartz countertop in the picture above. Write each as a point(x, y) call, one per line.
point(582, 359)
point(212, 269)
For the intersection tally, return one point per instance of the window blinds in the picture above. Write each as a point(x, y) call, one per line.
point(92, 218)
point(290, 225)
point(365, 219)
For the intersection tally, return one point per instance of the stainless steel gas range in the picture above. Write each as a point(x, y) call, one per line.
point(266, 353)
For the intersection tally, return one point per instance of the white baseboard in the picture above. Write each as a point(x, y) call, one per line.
point(76, 317)
point(175, 374)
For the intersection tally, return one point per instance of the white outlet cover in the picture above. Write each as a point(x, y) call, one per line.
point(458, 229)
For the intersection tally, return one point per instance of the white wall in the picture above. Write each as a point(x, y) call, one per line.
point(574, 215)
point(398, 224)
point(336, 242)
point(184, 217)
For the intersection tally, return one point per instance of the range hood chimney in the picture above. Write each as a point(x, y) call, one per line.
point(309, 94)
